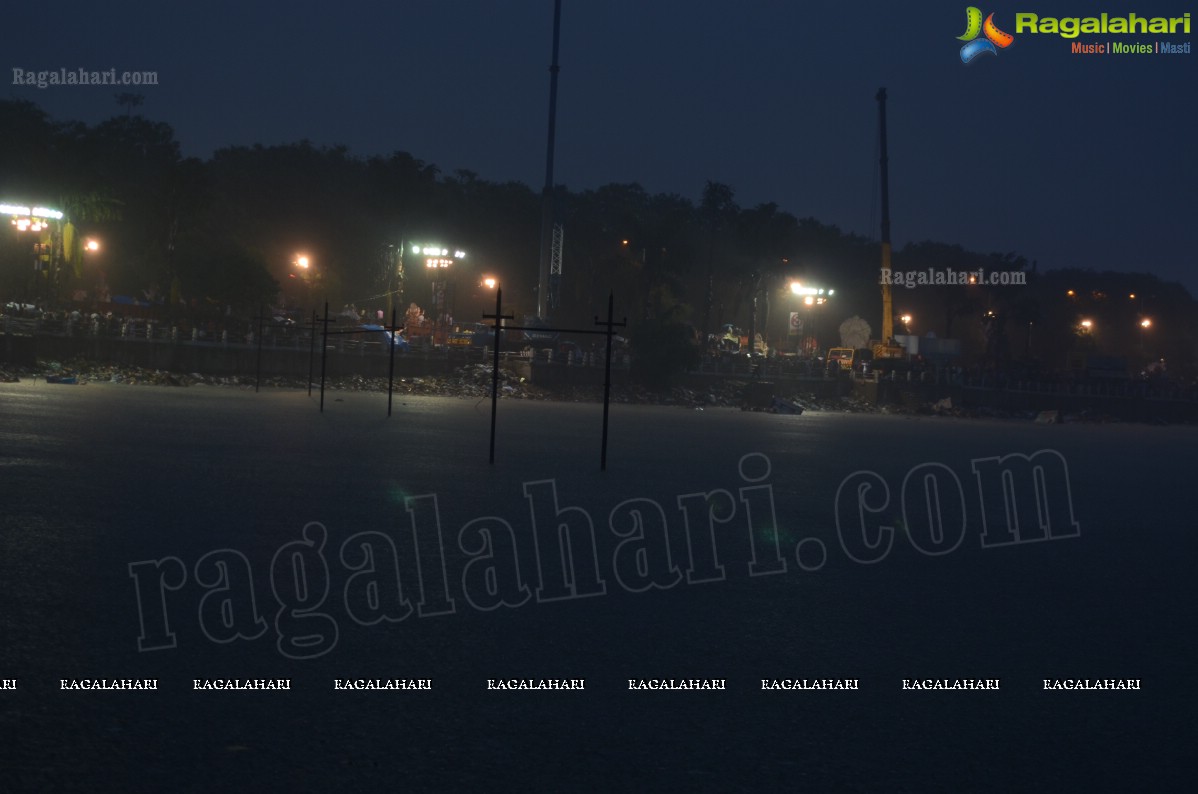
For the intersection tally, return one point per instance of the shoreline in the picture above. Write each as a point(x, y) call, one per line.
point(473, 381)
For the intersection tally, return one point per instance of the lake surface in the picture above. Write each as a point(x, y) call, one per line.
point(207, 534)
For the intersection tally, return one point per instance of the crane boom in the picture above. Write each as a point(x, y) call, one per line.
point(887, 300)
point(886, 347)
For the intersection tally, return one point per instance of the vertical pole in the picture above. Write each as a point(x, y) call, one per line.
point(884, 160)
point(258, 367)
point(547, 193)
point(391, 372)
point(495, 368)
point(607, 379)
point(324, 352)
point(311, 352)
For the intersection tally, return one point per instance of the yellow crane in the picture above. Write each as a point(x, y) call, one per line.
point(886, 347)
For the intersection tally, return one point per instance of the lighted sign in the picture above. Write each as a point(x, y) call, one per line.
point(437, 252)
point(29, 212)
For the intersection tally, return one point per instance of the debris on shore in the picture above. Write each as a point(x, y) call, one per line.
point(473, 381)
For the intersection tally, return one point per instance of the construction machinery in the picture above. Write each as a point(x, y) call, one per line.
point(840, 358)
point(887, 347)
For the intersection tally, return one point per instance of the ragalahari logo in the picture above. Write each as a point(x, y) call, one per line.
point(994, 38)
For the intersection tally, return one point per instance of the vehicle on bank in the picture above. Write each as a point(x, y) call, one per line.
point(840, 358)
point(379, 335)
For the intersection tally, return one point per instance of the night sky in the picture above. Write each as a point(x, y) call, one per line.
point(1072, 160)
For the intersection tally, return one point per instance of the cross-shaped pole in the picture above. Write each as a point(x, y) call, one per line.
point(498, 317)
point(311, 352)
point(391, 332)
point(324, 350)
point(610, 331)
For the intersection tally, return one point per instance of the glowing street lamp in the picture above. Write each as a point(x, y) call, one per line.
point(906, 321)
point(307, 274)
point(1087, 325)
point(92, 245)
point(490, 282)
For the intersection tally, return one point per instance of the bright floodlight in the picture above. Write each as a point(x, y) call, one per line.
point(1087, 324)
point(1145, 323)
point(92, 245)
point(906, 318)
point(303, 262)
point(489, 282)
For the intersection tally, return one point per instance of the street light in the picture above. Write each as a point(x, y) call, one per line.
point(92, 245)
point(906, 321)
point(304, 264)
point(1087, 325)
point(490, 282)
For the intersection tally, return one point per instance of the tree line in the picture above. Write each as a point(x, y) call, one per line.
point(224, 234)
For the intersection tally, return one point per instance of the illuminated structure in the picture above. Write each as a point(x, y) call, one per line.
point(812, 296)
point(48, 251)
point(438, 260)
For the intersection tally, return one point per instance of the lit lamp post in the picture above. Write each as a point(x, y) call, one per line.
point(304, 265)
point(906, 321)
point(1145, 324)
point(1085, 328)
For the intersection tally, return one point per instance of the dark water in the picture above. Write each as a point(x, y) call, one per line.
point(108, 492)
